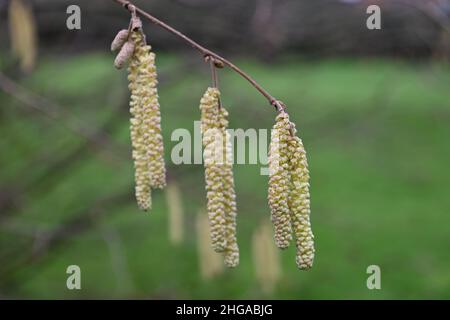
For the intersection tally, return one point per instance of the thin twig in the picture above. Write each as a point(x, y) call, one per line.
point(213, 73)
point(214, 77)
point(279, 106)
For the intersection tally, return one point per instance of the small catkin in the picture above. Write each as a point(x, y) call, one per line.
point(299, 203)
point(119, 40)
point(124, 54)
point(209, 106)
point(231, 248)
point(279, 181)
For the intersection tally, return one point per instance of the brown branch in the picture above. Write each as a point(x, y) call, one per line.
point(204, 51)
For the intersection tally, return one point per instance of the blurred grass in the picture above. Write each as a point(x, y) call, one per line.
point(376, 135)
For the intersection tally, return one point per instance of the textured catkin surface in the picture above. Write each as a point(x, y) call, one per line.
point(279, 181)
point(299, 204)
point(124, 55)
point(221, 196)
point(232, 248)
point(119, 40)
point(150, 101)
point(137, 132)
point(213, 152)
point(145, 126)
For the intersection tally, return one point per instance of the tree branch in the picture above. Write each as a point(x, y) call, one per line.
point(207, 54)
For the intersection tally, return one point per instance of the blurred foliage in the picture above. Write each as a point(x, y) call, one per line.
point(267, 28)
point(375, 131)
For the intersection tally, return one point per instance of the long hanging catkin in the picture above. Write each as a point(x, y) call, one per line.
point(279, 181)
point(213, 151)
point(229, 194)
point(150, 102)
point(145, 126)
point(289, 198)
point(137, 131)
point(299, 203)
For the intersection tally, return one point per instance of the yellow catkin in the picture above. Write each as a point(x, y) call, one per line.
point(231, 249)
point(150, 105)
point(213, 167)
point(22, 27)
point(266, 258)
point(279, 181)
point(137, 131)
point(210, 263)
point(146, 138)
point(176, 213)
point(299, 203)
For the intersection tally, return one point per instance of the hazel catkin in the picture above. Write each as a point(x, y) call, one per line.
point(279, 180)
point(289, 197)
point(145, 122)
point(221, 196)
point(125, 53)
point(209, 106)
point(137, 132)
point(299, 203)
point(151, 107)
point(119, 40)
point(231, 252)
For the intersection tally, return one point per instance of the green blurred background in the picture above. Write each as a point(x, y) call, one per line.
point(375, 127)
